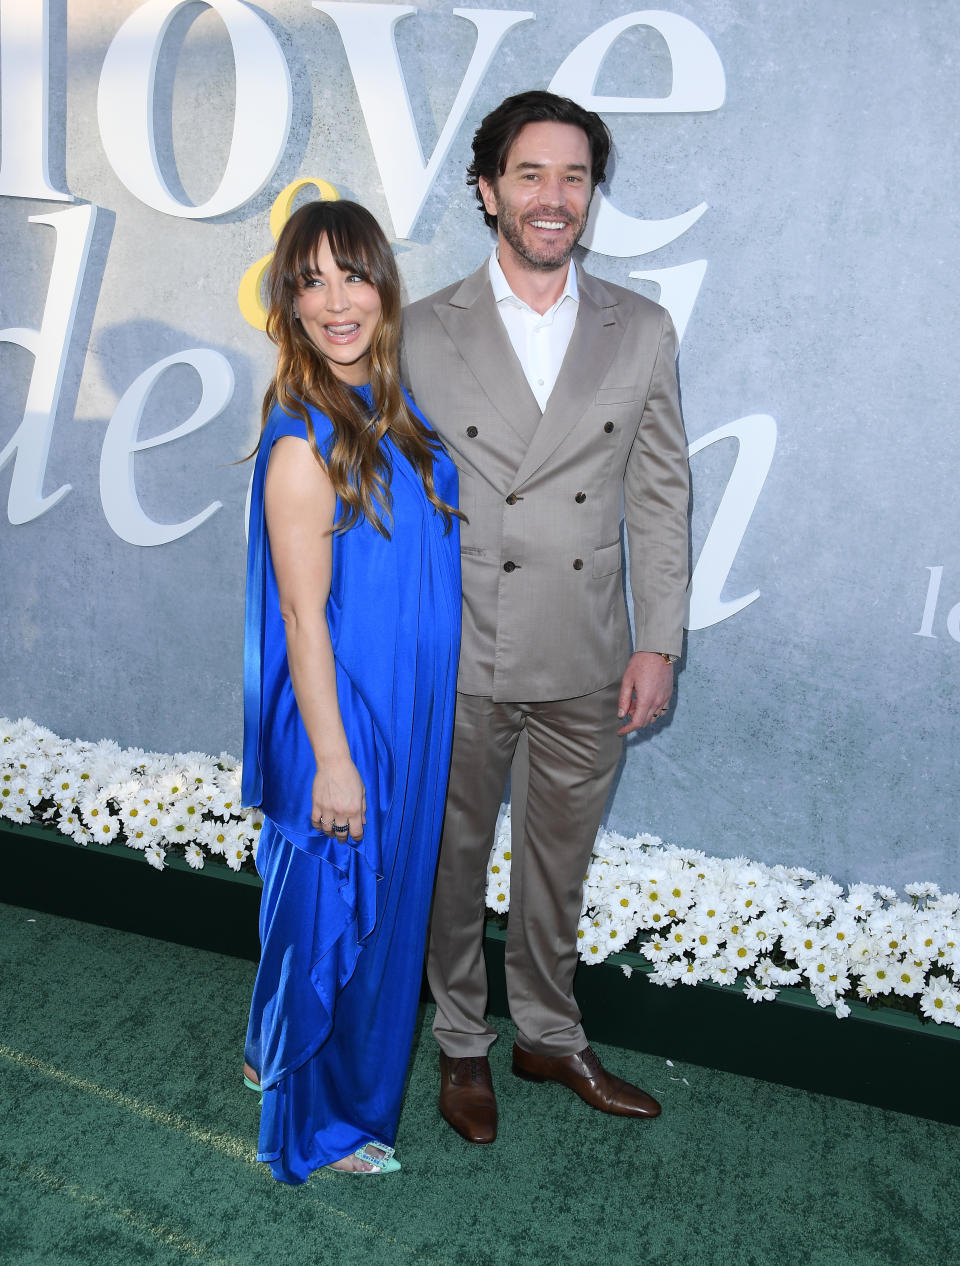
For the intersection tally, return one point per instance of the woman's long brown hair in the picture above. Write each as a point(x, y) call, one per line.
point(356, 464)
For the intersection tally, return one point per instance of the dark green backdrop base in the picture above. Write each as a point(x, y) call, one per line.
point(886, 1058)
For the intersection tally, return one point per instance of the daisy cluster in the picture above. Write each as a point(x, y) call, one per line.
point(99, 793)
point(693, 917)
point(733, 921)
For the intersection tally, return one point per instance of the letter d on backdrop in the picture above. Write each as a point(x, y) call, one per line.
point(49, 346)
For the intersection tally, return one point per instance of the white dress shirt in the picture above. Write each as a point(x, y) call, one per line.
point(540, 341)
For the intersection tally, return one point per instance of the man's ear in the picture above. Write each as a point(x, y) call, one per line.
point(487, 193)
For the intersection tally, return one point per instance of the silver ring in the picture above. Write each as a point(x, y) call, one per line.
point(340, 830)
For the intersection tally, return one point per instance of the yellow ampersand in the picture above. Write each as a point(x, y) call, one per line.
point(249, 298)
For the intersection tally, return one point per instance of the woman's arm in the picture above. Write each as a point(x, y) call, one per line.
point(300, 504)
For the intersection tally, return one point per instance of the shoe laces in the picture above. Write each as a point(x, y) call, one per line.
point(591, 1061)
point(477, 1070)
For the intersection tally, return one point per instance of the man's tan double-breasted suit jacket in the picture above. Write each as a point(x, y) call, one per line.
point(545, 633)
point(544, 494)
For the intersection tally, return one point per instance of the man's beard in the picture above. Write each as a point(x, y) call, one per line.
point(549, 255)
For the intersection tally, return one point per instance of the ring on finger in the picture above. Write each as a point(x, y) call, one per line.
point(340, 830)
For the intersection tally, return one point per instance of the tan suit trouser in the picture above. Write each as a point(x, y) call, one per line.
point(573, 750)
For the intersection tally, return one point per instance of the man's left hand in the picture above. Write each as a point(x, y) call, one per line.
point(645, 691)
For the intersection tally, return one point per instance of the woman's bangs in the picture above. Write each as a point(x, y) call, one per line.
point(349, 251)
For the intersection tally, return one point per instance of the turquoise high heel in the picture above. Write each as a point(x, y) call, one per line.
point(254, 1086)
point(385, 1164)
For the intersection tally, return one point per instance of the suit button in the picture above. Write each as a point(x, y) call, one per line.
point(578, 564)
point(607, 426)
point(580, 498)
point(512, 499)
point(509, 566)
point(472, 432)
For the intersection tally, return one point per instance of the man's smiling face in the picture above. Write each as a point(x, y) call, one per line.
point(542, 199)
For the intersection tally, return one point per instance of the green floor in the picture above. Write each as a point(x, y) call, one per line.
point(125, 1137)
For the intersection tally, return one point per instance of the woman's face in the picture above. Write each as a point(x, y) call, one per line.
point(339, 312)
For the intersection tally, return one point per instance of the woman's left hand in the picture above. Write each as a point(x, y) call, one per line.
point(339, 799)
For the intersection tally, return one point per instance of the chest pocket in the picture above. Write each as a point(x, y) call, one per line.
point(617, 395)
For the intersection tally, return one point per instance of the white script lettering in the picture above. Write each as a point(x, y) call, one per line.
point(25, 101)
point(699, 85)
point(118, 491)
point(757, 438)
point(262, 111)
point(49, 346)
point(368, 40)
point(930, 608)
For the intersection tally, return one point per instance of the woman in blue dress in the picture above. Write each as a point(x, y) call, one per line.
point(351, 643)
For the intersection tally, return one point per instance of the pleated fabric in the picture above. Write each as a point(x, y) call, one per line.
point(343, 924)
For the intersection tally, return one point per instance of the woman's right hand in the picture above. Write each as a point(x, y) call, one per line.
point(339, 799)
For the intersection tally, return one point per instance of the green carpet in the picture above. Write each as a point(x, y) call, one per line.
point(127, 1138)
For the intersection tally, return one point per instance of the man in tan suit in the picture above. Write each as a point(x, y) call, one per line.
point(556, 395)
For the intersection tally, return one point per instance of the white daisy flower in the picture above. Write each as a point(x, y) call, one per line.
point(155, 855)
point(907, 979)
point(236, 855)
point(758, 993)
point(107, 828)
point(922, 892)
point(194, 856)
point(877, 979)
point(940, 1001)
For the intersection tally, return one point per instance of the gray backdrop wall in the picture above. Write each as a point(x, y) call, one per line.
point(813, 146)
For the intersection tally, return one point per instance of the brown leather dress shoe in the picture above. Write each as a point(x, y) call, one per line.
point(586, 1076)
point(467, 1101)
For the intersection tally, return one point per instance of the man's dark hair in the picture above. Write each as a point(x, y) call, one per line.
point(500, 128)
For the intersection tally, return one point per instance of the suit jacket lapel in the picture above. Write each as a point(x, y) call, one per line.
point(471, 319)
point(596, 337)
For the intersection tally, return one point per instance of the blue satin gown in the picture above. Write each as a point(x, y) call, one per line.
point(343, 924)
